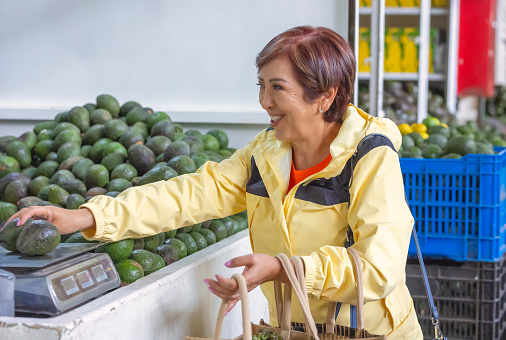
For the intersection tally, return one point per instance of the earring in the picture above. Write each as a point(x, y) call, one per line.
point(321, 111)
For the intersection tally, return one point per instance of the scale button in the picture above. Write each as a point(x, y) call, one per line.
point(84, 279)
point(69, 285)
point(100, 274)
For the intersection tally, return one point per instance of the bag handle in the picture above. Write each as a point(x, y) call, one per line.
point(246, 323)
point(300, 292)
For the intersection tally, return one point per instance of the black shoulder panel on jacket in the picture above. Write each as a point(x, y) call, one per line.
point(269, 128)
point(336, 189)
point(256, 184)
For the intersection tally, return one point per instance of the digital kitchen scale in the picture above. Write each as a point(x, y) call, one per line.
point(67, 277)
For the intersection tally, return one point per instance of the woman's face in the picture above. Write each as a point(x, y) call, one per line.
point(281, 95)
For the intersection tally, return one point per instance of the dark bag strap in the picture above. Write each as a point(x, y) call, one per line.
point(368, 143)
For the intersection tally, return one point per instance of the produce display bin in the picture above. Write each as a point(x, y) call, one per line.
point(459, 205)
point(167, 304)
point(470, 298)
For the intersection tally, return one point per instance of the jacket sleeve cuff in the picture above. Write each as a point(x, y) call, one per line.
point(310, 267)
point(99, 231)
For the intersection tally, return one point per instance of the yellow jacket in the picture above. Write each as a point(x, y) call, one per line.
point(256, 178)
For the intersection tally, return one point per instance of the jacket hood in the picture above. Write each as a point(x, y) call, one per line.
point(357, 124)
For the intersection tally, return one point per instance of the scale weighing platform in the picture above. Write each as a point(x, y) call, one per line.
point(68, 276)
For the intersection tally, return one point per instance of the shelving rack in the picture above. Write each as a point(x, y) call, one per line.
point(378, 13)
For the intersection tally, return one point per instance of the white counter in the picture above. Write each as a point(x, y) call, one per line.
point(168, 304)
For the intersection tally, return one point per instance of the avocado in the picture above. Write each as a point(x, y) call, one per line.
point(229, 224)
point(97, 149)
point(69, 163)
point(137, 114)
point(196, 227)
point(193, 132)
point(90, 107)
point(7, 210)
point(38, 183)
point(95, 191)
point(43, 147)
point(182, 164)
point(74, 201)
point(100, 116)
point(9, 234)
point(61, 176)
point(112, 193)
point(29, 201)
point(115, 128)
point(213, 156)
point(114, 147)
point(75, 186)
point(139, 243)
point(44, 192)
point(20, 152)
point(6, 140)
point(151, 242)
point(240, 223)
point(30, 171)
point(142, 158)
point(176, 148)
point(9, 178)
point(219, 229)
point(189, 242)
point(225, 153)
point(66, 126)
point(221, 136)
point(118, 184)
point(125, 171)
point(85, 151)
point(47, 125)
point(113, 160)
point(179, 246)
point(170, 234)
point(93, 134)
point(179, 128)
point(108, 102)
point(37, 237)
point(168, 253)
point(96, 176)
point(209, 236)
point(160, 173)
point(45, 135)
point(157, 117)
point(80, 167)
point(163, 128)
point(15, 191)
point(143, 128)
point(58, 195)
point(126, 107)
point(8, 165)
point(129, 271)
point(65, 137)
point(158, 144)
point(80, 117)
point(29, 139)
point(118, 251)
point(68, 150)
point(150, 262)
point(47, 168)
point(61, 117)
point(179, 136)
point(196, 144)
point(131, 137)
point(210, 143)
point(200, 240)
point(431, 151)
point(462, 145)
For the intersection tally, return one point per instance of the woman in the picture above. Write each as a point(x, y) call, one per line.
point(303, 186)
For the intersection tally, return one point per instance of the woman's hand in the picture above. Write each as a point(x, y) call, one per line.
point(67, 221)
point(258, 268)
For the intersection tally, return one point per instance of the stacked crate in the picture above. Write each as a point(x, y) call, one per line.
point(459, 207)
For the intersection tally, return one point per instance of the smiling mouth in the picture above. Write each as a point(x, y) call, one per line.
point(275, 120)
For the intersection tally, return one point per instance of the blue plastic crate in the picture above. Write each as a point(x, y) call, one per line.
point(459, 205)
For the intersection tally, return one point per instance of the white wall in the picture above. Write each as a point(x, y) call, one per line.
point(191, 58)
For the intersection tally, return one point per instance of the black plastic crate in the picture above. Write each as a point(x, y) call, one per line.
point(470, 298)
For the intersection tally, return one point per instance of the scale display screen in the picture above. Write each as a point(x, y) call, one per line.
point(69, 285)
point(85, 279)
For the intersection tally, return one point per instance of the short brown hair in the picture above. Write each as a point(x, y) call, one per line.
point(321, 58)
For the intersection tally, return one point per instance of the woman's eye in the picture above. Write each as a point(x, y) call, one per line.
point(277, 87)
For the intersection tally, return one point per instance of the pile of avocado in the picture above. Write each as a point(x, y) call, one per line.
point(103, 148)
point(451, 142)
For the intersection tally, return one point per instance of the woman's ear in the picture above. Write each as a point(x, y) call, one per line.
point(327, 98)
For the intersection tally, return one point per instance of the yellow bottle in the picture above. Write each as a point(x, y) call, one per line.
point(391, 3)
point(367, 3)
point(364, 49)
point(409, 3)
point(409, 40)
point(393, 50)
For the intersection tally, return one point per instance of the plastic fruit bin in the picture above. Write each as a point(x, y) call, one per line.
point(459, 205)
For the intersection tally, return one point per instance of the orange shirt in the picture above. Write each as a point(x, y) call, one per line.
point(297, 176)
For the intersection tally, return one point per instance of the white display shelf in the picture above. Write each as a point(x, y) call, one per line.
point(404, 11)
point(168, 304)
point(402, 76)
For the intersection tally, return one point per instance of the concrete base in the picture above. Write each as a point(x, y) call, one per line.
point(168, 304)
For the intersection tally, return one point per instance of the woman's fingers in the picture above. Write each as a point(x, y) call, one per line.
point(231, 304)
